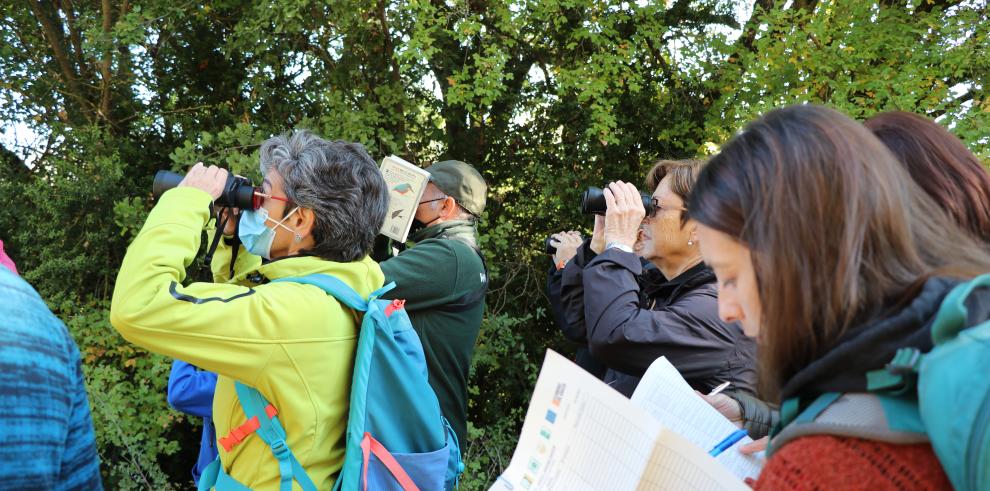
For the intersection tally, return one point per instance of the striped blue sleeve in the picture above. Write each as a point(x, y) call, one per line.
point(45, 425)
point(80, 463)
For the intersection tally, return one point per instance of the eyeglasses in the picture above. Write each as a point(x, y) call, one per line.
point(432, 200)
point(259, 199)
point(657, 208)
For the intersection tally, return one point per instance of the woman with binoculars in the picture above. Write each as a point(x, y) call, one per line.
point(318, 211)
point(630, 315)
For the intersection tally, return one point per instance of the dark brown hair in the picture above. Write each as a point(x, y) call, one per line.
point(838, 230)
point(941, 164)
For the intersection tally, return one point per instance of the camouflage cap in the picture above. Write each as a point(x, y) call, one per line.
point(461, 182)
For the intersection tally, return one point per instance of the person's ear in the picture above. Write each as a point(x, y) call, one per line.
point(691, 227)
point(448, 208)
point(303, 221)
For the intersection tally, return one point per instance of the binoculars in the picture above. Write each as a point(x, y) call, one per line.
point(593, 203)
point(237, 191)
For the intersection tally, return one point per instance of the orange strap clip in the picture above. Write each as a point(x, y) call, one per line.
point(395, 305)
point(237, 435)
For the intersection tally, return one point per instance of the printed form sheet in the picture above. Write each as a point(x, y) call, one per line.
point(664, 394)
point(580, 434)
point(678, 464)
point(575, 438)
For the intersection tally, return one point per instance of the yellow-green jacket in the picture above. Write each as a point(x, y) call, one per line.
point(292, 342)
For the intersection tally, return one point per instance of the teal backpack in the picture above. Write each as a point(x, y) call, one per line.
point(941, 397)
point(396, 438)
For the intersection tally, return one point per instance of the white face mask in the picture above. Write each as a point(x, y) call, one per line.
point(256, 236)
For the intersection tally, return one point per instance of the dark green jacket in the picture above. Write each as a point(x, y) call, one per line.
point(443, 280)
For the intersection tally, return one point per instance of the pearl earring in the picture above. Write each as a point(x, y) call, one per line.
point(690, 242)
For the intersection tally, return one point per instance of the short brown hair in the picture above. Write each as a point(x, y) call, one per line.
point(683, 174)
point(941, 164)
point(839, 232)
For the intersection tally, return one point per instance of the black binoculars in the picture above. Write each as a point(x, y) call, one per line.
point(237, 191)
point(593, 202)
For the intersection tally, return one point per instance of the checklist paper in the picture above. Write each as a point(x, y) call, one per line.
point(664, 394)
point(579, 434)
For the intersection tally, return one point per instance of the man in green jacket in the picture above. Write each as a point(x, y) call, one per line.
point(443, 280)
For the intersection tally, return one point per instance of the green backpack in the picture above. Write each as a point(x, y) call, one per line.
point(942, 397)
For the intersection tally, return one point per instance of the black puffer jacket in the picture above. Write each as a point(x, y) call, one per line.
point(629, 318)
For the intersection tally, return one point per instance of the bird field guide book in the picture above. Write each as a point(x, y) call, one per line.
point(581, 435)
point(406, 183)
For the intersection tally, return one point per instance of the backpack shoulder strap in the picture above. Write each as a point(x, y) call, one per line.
point(339, 290)
point(272, 433)
point(858, 415)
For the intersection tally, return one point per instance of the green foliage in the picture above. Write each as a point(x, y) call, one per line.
point(545, 97)
point(503, 362)
point(864, 58)
point(135, 432)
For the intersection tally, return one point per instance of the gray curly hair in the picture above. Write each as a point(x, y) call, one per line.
point(339, 181)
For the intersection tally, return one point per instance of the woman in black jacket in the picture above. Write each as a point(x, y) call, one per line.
point(630, 315)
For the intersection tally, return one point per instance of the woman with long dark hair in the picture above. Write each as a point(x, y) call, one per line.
point(946, 170)
point(832, 257)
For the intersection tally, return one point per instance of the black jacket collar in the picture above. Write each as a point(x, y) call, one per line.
point(660, 292)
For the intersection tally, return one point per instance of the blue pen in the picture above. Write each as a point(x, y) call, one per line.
point(728, 442)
